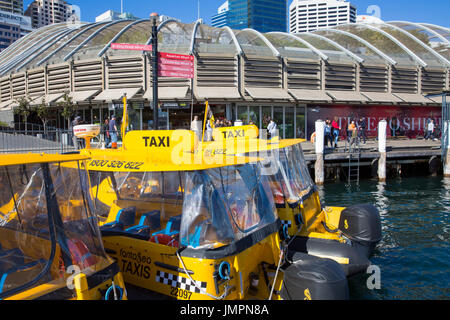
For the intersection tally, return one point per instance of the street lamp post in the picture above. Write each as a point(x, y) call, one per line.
point(154, 18)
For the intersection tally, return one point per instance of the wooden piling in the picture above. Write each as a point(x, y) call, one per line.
point(320, 142)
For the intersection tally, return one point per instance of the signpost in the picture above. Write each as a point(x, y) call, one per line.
point(164, 64)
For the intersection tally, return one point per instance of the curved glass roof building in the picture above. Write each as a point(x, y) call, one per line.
point(394, 62)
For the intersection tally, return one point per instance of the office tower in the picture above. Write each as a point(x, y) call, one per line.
point(45, 12)
point(310, 15)
point(261, 15)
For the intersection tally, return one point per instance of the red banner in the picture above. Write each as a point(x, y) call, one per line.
point(407, 121)
point(174, 74)
point(175, 56)
point(176, 62)
point(130, 46)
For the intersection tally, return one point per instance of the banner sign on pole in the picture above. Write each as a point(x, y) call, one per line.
point(130, 46)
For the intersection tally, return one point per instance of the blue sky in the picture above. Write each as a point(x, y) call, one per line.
point(431, 11)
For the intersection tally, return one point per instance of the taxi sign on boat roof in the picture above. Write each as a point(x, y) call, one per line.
point(22, 158)
point(159, 150)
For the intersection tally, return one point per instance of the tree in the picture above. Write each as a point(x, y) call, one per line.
point(43, 112)
point(68, 107)
point(23, 109)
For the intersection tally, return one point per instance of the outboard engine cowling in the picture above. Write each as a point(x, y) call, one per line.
point(362, 224)
point(313, 278)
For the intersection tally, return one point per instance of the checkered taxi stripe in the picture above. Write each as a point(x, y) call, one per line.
point(286, 222)
point(179, 282)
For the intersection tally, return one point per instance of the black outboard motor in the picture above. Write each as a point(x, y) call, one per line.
point(312, 278)
point(361, 224)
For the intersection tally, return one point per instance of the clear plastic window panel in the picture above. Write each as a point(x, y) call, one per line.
point(46, 225)
point(224, 205)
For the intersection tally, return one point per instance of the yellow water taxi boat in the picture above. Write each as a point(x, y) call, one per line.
point(50, 244)
point(193, 226)
point(346, 235)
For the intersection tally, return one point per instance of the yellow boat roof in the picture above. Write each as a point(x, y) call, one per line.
point(244, 146)
point(32, 158)
point(160, 150)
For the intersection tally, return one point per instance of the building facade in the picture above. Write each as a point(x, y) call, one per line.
point(373, 71)
point(46, 12)
point(12, 27)
point(311, 15)
point(260, 15)
point(220, 19)
point(13, 6)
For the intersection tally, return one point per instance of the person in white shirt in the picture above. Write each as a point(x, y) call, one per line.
point(430, 130)
point(272, 128)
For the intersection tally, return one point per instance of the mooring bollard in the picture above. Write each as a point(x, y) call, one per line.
point(319, 166)
point(447, 151)
point(382, 127)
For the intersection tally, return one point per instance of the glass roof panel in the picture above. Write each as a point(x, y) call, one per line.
point(32, 43)
point(381, 42)
point(139, 33)
point(354, 46)
point(100, 40)
point(412, 44)
point(62, 40)
point(214, 40)
point(290, 47)
point(175, 37)
point(418, 31)
point(252, 44)
point(334, 53)
point(67, 47)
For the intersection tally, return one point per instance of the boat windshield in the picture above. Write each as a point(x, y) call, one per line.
point(288, 173)
point(225, 204)
point(46, 226)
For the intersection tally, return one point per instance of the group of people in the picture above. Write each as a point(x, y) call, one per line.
point(356, 130)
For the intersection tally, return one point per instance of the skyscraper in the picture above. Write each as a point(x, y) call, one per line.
point(261, 15)
point(13, 6)
point(45, 12)
point(220, 19)
point(13, 24)
point(310, 15)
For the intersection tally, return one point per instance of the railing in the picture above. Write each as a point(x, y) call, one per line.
point(37, 141)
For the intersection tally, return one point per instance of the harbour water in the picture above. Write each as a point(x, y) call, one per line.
point(414, 255)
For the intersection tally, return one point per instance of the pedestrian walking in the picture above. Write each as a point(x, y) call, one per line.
point(362, 129)
point(113, 132)
point(336, 130)
point(430, 130)
point(353, 134)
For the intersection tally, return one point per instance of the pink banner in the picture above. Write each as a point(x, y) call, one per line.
point(167, 67)
point(130, 46)
point(175, 56)
point(174, 74)
point(185, 63)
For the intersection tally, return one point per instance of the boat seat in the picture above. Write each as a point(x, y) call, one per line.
point(149, 221)
point(10, 259)
point(172, 227)
point(124, 218)
point(20, 275)
point(193, 240)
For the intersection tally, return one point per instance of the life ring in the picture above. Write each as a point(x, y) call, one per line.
point(80, 254)
point(165, 240)
point(313, 137)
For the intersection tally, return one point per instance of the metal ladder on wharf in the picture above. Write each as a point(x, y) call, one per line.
point(354, 162)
